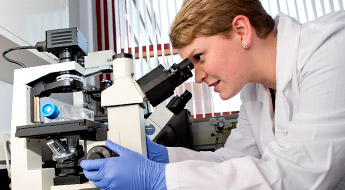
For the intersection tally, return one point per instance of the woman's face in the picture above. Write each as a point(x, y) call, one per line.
point(220, 62)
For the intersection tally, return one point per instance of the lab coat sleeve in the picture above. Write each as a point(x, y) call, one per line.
point(233, 167)
point(239, 173)
point(240, 143)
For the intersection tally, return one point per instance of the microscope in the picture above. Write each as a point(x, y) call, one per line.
point(155, 123)
point(82, 138)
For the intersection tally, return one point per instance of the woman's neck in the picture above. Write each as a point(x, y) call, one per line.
point(264, 58)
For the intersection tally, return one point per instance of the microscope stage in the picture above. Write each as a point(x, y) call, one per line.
point(81, 129)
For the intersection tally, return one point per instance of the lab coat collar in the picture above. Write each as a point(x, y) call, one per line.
point(288, 30)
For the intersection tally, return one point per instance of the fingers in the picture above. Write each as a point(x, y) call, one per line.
point(115, 147)
point(92, 165)
point(101, 184)
point(93, 175)
point(100, 171)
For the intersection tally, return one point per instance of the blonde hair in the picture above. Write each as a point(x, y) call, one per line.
point(210, 17)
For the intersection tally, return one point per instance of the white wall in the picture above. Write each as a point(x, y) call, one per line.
point(82, 14)
point(5, 117)
point(30, 19)
point(5, 107)
point(23, 23)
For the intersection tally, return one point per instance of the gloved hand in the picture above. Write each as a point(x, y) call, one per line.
point(130, 170)
point(156, 152)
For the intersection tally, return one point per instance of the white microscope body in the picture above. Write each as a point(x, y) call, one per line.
point(124, 101)
point(26, 158)
point(32, 83)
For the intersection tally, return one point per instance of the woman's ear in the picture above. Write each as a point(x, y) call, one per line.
point(241, 26)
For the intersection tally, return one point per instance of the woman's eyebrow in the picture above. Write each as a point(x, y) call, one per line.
point(191, 53)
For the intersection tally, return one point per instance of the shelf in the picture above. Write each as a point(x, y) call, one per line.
point(29, 57)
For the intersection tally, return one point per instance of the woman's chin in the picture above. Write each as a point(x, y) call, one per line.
point(224, 96)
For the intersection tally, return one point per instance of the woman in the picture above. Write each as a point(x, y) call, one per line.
point(296, 141)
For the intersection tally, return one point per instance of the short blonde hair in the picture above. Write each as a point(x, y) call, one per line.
point(210, 17)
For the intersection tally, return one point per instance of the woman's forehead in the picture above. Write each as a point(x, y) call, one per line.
point(199, 43)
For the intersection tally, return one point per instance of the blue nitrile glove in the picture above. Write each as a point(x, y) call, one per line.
point(130, 170)
point(156, 152)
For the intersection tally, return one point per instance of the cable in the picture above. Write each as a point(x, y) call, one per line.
point(16, 48)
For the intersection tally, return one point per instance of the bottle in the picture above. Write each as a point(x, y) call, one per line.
point(53, 113)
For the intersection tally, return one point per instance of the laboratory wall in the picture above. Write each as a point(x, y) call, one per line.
point(29, 19)
point(81, 14)
point(5, 119)
point(5, 107)
point(24, 23)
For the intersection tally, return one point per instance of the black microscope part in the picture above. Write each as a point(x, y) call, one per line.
point(159, 84)
point(177, 103)
point(99, 152)
point(68, 44)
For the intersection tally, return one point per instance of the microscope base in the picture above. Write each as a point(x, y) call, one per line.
point(66, 180)
point(84, 186)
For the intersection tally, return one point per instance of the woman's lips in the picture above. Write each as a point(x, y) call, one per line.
point(216, 86)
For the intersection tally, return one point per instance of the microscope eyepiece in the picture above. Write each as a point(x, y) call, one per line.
point(123, 55)
point(181, 72)
point(159, 84)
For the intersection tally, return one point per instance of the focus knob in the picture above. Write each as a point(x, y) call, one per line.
point(99, 152)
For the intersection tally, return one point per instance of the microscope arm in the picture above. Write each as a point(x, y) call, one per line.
point(98, 62)
point(156, 122)
point(125, 99)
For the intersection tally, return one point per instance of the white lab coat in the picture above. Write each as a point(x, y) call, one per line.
point(302, 145)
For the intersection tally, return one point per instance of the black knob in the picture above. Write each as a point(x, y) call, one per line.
point(99, 152)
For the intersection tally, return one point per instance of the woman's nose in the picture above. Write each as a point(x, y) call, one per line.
point(200, 75)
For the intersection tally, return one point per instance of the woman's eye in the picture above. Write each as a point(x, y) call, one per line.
point(197, 56)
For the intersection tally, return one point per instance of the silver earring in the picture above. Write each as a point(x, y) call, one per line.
point(245, 44)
